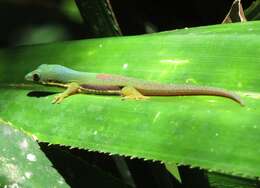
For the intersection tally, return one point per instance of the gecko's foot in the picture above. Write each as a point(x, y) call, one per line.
point(58, 99)
point(72, 88)
point(141, 97)
point(129, 92)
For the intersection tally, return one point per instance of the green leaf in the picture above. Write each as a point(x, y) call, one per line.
point(217, 180)
point(22, 164)
point(210, 132)
point(173, 169)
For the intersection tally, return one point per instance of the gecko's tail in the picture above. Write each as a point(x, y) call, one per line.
point(215, 92)
point(197, 90)
point(228, 94)
point(184, 90)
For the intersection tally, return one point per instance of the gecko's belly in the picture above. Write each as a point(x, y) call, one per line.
point(101, 87)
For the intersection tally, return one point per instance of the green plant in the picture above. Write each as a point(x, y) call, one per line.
point(208, 132)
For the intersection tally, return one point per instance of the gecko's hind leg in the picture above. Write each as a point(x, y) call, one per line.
point(72, 88)
point(129, 92)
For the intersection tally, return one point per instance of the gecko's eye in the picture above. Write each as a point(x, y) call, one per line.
point(36, 77)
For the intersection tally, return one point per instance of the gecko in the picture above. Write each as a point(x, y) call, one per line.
point(111, 84)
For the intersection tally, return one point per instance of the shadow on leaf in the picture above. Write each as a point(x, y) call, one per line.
point(40, 93)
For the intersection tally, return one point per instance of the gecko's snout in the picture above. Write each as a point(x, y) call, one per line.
point(28, 77)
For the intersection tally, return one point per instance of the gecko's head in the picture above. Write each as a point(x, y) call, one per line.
point(47, 73)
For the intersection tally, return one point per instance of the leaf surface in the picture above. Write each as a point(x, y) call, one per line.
point(210, 132)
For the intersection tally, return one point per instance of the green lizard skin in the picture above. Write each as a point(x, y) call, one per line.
point(100, 83)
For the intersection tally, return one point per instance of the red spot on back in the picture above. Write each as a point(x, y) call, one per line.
point(103, 76)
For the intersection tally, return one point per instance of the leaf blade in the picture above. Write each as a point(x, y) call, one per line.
point(198, 131)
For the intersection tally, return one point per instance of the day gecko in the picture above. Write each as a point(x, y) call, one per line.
point(111, 84)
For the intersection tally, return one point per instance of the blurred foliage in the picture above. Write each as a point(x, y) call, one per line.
point(253, 12)
point(32, 22)
point(70, 9)
point(22, 163)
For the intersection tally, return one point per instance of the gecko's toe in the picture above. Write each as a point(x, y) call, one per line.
point(142, 98)
point(58, 99)
point(135, 97)
point(54, 101)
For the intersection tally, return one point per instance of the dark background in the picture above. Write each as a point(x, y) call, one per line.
point(41, 21)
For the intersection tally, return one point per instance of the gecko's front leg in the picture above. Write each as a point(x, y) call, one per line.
point(72, 88)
